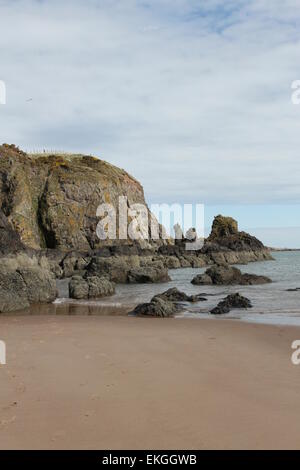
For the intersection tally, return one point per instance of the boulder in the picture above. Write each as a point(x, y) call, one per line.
point(13, 292)
point(73, 262)
point(165, 304)
point(157, 307)
point(172, 262)
point(184, 262)
point(201, 280)
point(90, 287)
point(175, 295)
point(223, 274)
point(40, 284)
point(78, 288)
point(149, 274)
point(116, 267)
point(198, 262)
point(100, 287)
point(22, 285)
point(230, 302)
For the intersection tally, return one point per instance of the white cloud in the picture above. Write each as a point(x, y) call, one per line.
point(192, 97)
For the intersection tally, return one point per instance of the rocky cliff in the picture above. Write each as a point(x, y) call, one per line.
point(48, 207)
point(51, 200)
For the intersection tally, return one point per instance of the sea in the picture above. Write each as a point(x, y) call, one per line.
point(272, 303)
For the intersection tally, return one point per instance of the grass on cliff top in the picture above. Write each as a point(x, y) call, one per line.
point(66, 155)
point(69, 156)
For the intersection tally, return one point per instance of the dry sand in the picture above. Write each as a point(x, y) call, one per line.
point(87, 382)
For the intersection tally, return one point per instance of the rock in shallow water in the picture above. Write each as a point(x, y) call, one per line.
point(157, 307)
point(90, 287)
point(165, 304)
point(175, 295)
point(223, 274)
point(231, 301)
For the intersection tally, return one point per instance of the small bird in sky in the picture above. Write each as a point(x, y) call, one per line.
point(29, 99)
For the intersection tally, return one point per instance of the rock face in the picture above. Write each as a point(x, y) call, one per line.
point(51, 200)
point(10, 241)
point(230, 302)
point(223, 274)
point(23, 282)
point(90, 287)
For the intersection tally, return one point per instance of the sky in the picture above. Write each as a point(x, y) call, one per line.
point(191, 97)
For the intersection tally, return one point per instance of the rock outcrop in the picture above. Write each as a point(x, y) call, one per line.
point(230, 302)
point(24, 282)
point(223, 274)
point(165, 304)
point(156, 272)
point(224, 245)
point(51, 200)
point(225, 235)
point(175, 295)
point(90, 287)
point(157, 307)
point(48, 214)
point(129, 269)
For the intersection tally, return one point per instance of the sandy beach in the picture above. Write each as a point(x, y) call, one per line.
point(99, 382)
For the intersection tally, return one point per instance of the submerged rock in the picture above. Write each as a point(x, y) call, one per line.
point(230, 302)
point(90, 287)
point(223, 274)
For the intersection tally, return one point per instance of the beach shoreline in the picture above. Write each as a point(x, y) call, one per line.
point(102, 382)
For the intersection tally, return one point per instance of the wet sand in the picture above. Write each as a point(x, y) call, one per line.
point(99, 382)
